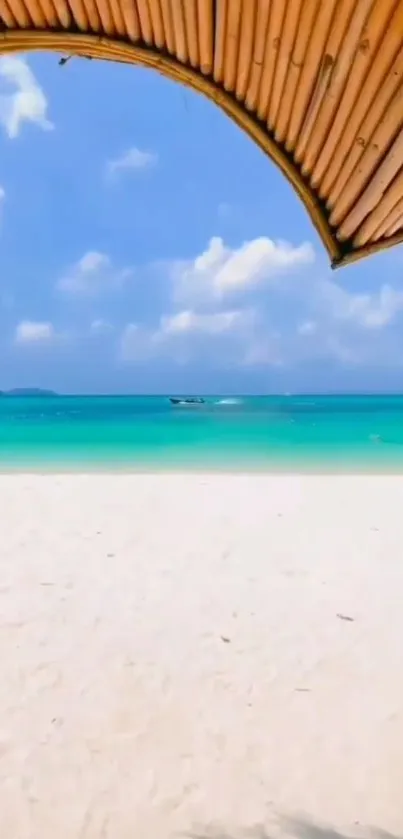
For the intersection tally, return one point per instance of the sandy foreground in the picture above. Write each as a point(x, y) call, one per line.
point(176, 658)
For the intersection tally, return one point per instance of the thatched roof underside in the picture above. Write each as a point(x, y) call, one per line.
point(318, 84)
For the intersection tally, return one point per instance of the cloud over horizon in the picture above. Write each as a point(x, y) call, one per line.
point(34, 332)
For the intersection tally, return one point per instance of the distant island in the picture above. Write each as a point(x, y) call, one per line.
point(27, 391)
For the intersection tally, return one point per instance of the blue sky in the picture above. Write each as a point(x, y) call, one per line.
point(147, 245)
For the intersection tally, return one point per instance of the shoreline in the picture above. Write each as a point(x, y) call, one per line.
point(237, 471)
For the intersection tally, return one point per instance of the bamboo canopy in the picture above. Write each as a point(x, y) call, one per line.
point(318, 84)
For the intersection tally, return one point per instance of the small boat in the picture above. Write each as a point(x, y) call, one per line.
point(189, 400)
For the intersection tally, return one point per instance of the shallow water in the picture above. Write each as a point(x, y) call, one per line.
point(330, 433)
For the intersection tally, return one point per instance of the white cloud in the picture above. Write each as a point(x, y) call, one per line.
point(21, 97)
point(2, 200)
point(283, 314)
point(34, 332)
point(203, 327)
point(292, 323)
point(354, 328)
point(288, 311)
point(93, 274)
point(186, 334)
point(370, 310)
point(221, 270)
point(99, 326)
point(133, 160)
point(210, 324)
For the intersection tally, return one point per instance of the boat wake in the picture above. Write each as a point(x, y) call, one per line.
point(229, 402)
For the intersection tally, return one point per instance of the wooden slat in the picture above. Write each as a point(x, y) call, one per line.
point(317, 133)
point(324, 73)
point(7, 15)
point(117, 16)
point(107, 18)
point(314, 18)
point(390, 224)
point(23, 17)
point(191, 29)
point(234, 14)
point(369, 153)
point(310, 64)
point(205, 23)
point(383, 216)
point(168, 25)
point(286, 42)
point(245, 48)
point(374, 191)
point(395, 228)
point(220, 33)
point(178, 19)
point(257, 76)
point(143, 13)
point(367, 50)
point(156, 23)
point(35, 7)
point(63, 13)
point(382, 70)
point(79, 14)
point(131, 19)
point(92, 13)
point(377, 109)
point(49, 13)
point(273, 40)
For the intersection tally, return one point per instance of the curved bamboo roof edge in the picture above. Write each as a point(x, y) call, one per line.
point(317, 84)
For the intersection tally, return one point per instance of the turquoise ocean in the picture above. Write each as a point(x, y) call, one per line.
point(135, 433)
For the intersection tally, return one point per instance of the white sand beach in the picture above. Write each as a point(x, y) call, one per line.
point(201, 656)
